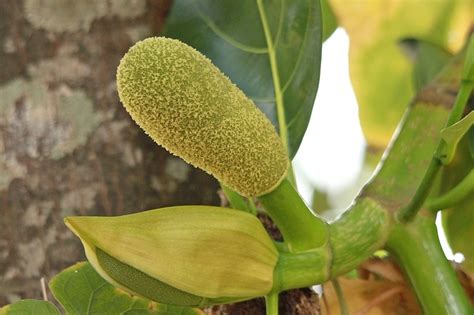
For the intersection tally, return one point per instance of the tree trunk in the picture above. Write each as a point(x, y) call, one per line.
point(67, 146)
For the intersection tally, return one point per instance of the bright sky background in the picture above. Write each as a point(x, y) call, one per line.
point(331, 154)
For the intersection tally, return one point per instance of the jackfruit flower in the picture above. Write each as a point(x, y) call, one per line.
point(187, 105)
point(187, 255)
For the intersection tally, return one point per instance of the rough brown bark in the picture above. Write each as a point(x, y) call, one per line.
point(67, 145)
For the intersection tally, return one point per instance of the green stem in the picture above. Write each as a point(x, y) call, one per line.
point(299, 270)
point(416, 247)
point(301, 229)
point(252, 206)
point(354, 237)
point(238, 202)
point(271, 304)
point(455, 195)
point(291, 176)
point(340, 297)
point(407, 213)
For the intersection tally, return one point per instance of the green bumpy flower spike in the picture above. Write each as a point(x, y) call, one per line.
point(188, 255)
point(191, 108)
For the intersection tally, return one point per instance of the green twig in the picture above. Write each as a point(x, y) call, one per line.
point(291, 176)
point(407, 213)
point(253, 206)
point(455, 195)
point(271, 303)
point(340, 297)
point(302, 230)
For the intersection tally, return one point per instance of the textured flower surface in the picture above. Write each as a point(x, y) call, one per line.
point(191, 108)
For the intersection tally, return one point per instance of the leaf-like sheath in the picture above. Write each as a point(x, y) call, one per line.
point(210, 252)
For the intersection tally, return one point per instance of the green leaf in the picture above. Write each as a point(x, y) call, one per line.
point(270, 49)
point(329, 19)
point(381, 75)
point(29, 307)
point(81, 291)
point(452, 135)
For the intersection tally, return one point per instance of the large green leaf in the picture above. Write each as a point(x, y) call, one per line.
point(29, 307)
point(380, 73)
point(270, 49)
point(81, 291)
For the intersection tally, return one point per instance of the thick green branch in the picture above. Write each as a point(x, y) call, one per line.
point(356, 235)
point(416, 246)
point(299, 270)
point(302, 229)
point(407, 213)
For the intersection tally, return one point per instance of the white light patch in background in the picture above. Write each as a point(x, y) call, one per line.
point(331, 154)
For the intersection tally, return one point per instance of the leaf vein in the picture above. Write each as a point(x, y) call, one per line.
point(227, 38)
point(300, 54)
point(280, 23)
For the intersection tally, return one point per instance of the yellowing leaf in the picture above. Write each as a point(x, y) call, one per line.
point(380, 73)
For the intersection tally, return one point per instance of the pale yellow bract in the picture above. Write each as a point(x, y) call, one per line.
point(191, 108)
point(206, 251)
